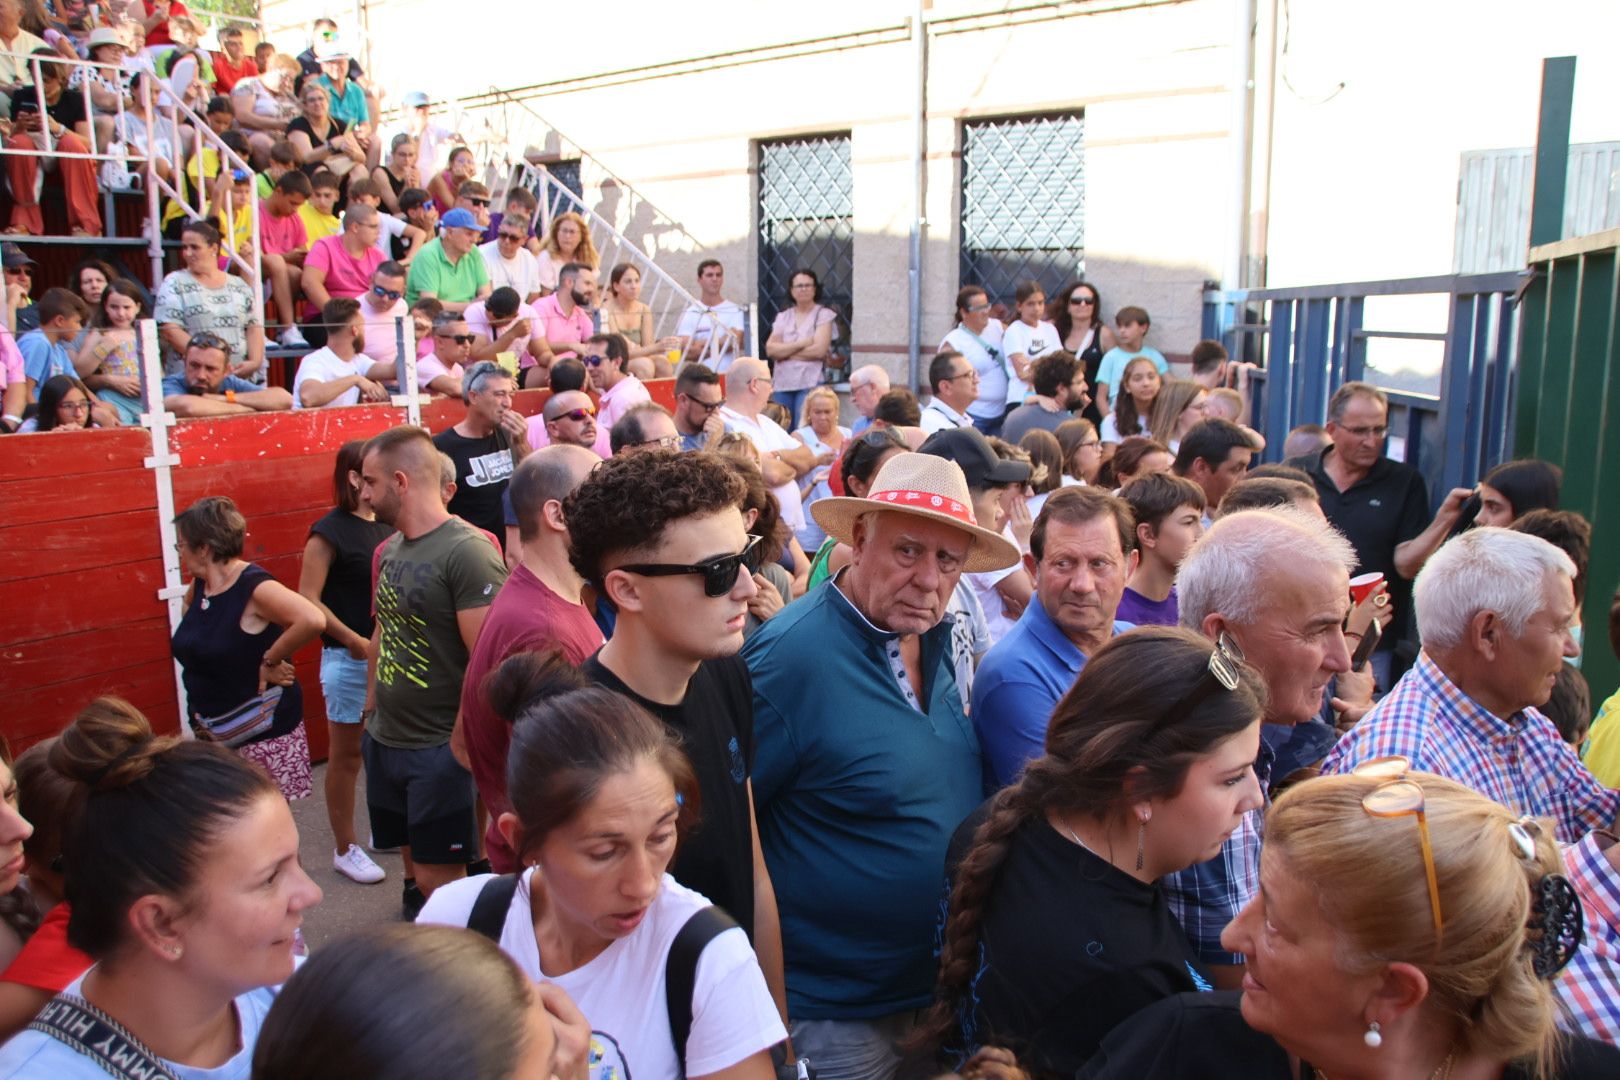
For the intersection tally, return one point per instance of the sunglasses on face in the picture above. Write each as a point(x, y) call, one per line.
point(1076, 301)
point(666, 442)
point(576, 415)
point(719, 575)
point(477, 201)
point(516, 238)
point(386, 294)
point(19, 271)
point(592, 360)
point(459, 339)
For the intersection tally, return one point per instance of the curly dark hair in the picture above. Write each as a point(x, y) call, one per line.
point(627, 502)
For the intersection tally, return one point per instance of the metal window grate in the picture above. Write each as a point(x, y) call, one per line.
point(806, 209)
point(567, 174)
point(1023, 203)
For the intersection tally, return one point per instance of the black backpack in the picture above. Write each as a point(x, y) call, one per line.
point(680, 967)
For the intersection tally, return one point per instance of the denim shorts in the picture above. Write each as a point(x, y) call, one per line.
point(343, 682)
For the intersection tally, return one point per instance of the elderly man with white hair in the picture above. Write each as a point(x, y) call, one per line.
point(1494, 609)
point(1272, 586)
point(867, 384)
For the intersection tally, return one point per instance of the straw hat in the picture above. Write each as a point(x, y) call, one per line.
point(925, 486)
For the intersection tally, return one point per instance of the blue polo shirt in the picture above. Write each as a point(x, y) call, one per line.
point(174, 385)
point(43, 358)
point(1019, 683)
point(857, 792)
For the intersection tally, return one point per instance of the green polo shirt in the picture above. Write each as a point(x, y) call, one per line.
point(454, 283)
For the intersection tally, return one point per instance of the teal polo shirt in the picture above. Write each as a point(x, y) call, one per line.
point(857, 793)
point(455, 283)
point(1018, 684)
point(351, 107)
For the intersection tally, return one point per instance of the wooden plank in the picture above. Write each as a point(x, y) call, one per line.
point(265, 436)
point(32, 499)
point(261, 487)
point(65, 659)
point(35, 714)
point(74, 453)
point(273, 535)
point(59, 547)
point(91, 598)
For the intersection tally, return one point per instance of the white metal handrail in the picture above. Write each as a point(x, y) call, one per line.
point(34, 62)
point(668, 299)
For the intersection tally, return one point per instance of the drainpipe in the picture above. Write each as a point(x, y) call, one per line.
point(1242, 127)
point(919, 119)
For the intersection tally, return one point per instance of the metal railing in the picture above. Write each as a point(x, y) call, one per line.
point(667, 298)
point(1308, 341)
point(168, 125)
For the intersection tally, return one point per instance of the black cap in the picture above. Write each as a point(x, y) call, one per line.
point(12, 256)
point(977, 459)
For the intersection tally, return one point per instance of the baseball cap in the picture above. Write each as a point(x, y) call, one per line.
point(331, 49)
point(977, 459)
point(460, 218)
point(105, 35)
point(12, 256)
point(413, 99)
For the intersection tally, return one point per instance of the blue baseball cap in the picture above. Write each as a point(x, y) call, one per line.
point(460, 218)
point(414, 99)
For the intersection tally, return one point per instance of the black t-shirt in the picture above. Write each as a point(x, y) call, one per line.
point(68, 110)
point(716, 726)
point(1387, 507)
point(1070, 947)
point(483, 469)
point(1204, 1037)
point(300, 123)
point(348, 581)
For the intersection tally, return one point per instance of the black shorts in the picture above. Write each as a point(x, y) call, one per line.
point(420, 798)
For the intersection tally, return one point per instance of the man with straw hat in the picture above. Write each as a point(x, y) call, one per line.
point(865, 760)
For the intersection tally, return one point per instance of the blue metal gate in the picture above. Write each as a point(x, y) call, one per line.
point(806, 219)
point(1023, 203)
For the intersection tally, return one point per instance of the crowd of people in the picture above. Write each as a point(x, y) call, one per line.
point(1025, 729)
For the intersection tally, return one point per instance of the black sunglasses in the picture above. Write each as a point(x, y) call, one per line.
point(477, 202)
point(719, 575)
point(387, 294)
point(460, 339)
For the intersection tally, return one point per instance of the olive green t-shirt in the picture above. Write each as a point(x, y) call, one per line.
point(421, 659)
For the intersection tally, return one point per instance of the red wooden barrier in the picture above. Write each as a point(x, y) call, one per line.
point(79, 608)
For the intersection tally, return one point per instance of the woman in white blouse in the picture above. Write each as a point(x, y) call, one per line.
point(978, 337)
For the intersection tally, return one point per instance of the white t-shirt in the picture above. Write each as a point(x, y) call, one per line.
point(1033, 342)
point(698, 323)
point(768, 435)
point(36, 1054)
point(324, 365)
point(993, 370)
point(390, 227)
point(522, 272)
point(477, 316)
point(621, 992)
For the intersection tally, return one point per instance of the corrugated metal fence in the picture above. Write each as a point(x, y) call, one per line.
point(1568, 379)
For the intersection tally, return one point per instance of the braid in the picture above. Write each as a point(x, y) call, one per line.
point(976, 874)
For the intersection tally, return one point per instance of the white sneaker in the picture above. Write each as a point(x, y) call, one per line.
point(357, 865)
point(293, 338)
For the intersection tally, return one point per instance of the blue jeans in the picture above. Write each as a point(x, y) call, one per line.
point(793, 401)
point(853, 1049)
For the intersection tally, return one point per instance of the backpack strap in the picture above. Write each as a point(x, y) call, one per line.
point(93, 1034)
point(489, 910)
point(680, 971)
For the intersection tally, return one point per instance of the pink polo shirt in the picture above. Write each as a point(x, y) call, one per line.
point(560, 327)
point(346, 276)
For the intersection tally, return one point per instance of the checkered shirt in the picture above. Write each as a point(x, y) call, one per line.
point(1588, 990)
point(1520, 762)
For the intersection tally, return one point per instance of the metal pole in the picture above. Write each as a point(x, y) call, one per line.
point(1242, 140)
point(919, 120)
point(1552, 150)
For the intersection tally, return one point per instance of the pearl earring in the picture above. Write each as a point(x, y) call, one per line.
point(1372, 1038)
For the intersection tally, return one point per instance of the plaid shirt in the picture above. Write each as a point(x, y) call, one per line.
point(1588, 990)
point(1521, 762)
point(1207, 896)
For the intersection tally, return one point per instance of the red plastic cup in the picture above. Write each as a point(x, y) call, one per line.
point(1364, 585)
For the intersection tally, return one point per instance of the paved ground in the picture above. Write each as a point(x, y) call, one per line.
point(347, 905)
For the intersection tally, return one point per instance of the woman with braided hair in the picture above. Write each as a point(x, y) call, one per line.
point(1406, 926)
point(1057, 928)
